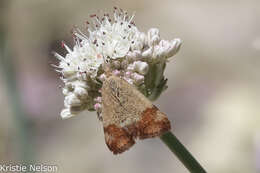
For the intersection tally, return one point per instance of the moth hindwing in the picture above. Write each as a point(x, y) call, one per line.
point(128, 114)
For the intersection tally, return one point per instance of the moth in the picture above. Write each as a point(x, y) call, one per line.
point(128, 115)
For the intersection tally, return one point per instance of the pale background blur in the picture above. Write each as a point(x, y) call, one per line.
point(212, 100)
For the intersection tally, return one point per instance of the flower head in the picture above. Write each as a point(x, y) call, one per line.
point(137, 57)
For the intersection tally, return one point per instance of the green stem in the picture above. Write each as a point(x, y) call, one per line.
point(182, 153)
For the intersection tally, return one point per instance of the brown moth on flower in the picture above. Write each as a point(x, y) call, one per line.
point(128, 114)
point(122, 98)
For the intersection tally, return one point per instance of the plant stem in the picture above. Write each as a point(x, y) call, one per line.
point(182, 153)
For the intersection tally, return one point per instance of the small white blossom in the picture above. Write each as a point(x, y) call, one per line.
point(116, 42)
point(139, 66)
point(81, 93)
point(66, 113)
point(153, 37)
point(138, 78)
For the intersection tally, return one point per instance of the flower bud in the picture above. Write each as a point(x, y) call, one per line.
point(141, 67)
point(153, 36)
point(81, 92)
point(138, 79)
point(65, 91)
point(71, 100)
point(128, 74)
point(65, 114)
point(97, 106)
point(176, 44)
point(148, 52)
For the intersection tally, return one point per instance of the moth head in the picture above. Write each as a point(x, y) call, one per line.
point(106, 66)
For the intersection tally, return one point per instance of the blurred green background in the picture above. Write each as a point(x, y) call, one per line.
point(212, 100)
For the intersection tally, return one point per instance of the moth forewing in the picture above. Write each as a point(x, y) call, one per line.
point(127, 114)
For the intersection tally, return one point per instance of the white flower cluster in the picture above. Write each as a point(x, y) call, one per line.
point(117, 42)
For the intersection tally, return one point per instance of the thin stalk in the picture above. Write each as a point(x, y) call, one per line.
point(182, 153)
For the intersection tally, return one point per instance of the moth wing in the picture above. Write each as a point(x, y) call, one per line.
point(127, 114)
point(118, 139)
